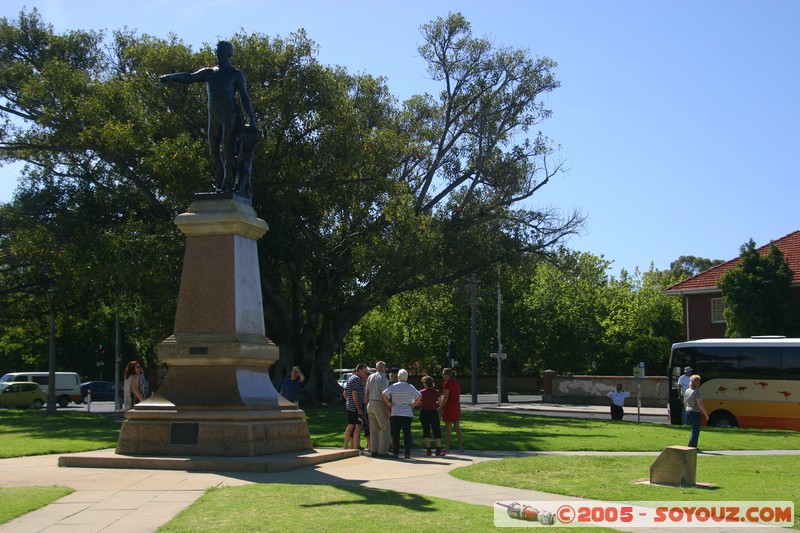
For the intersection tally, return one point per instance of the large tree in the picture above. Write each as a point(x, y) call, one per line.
point(689, 265)
point(756, 294)
point(564, 313)
point(366, 198)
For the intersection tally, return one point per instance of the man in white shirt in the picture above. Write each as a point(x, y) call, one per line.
point(683, 386)
point(617, 402)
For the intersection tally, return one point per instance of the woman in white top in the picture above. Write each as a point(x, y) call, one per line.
point(401, 398)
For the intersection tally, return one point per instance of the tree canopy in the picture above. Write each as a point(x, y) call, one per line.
point(756, 294)
point(688, 265)
point(366, 197)
point(564, 313)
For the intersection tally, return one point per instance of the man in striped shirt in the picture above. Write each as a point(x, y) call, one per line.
point(354, 392)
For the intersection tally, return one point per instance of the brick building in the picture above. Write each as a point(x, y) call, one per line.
point(702, 300)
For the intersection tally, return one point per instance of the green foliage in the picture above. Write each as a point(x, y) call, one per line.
point(409, 331)
point(688, 265)
point(757, 294)
point(567, 314)
point(566, 302)
point(642, 324)
point(573, 317)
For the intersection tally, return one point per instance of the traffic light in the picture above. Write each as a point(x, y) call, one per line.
point(451, 350)
point(495, 345)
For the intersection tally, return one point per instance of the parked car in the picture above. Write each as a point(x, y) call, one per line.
point(102, 391)
point(67, 384)
point(343, 379)
point(22, 394)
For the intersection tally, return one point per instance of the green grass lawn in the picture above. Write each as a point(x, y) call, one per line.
point(20, 500)
point(738, 478)
point(283, 507)
point(333, 507)
point(35, 433)
point(488, 430)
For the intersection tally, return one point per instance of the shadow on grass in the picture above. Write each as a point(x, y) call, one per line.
point(370, 496)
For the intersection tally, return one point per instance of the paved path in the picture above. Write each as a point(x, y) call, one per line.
point(119, 500)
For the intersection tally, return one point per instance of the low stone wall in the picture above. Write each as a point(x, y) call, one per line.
point(593, 390)
point(487, 384)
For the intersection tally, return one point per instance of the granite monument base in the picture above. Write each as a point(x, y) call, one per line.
point(220, 410)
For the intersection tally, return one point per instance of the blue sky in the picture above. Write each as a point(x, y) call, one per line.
point(679, 120)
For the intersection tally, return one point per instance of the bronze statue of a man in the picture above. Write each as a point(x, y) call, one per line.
point(225, 121)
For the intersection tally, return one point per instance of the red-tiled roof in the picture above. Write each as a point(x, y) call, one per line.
point(707, 280)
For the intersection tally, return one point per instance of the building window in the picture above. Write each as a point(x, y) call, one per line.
point(717, 307)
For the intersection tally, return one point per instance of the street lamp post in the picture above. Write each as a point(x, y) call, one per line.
point(51, 367)
point(117, 359)
point(499, 354)
point(474, 337)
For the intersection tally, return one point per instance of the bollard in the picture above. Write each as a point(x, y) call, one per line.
point(89, 400)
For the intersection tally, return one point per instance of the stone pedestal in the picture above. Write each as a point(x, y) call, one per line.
point(217, 398)
point(677, 466)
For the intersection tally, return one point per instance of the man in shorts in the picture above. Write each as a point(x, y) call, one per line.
point(355, 394)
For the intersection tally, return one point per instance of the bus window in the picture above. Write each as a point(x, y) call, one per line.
point(790, 359)
point(756, 361)
point(719, 361)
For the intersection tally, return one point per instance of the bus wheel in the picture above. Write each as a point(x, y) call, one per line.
point(63, 401)
point(722, 419)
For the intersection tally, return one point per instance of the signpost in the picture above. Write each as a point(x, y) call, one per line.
point(638, 373)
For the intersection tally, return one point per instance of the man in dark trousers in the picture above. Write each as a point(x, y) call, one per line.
point(618, 401)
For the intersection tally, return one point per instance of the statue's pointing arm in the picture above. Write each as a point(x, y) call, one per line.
point(184, 77)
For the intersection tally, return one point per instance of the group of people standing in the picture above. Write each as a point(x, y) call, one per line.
point(389, 403)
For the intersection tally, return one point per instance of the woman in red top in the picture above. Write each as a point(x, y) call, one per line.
point(429, 415)
point(451, 408)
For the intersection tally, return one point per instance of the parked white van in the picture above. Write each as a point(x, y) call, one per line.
point(68, 384)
